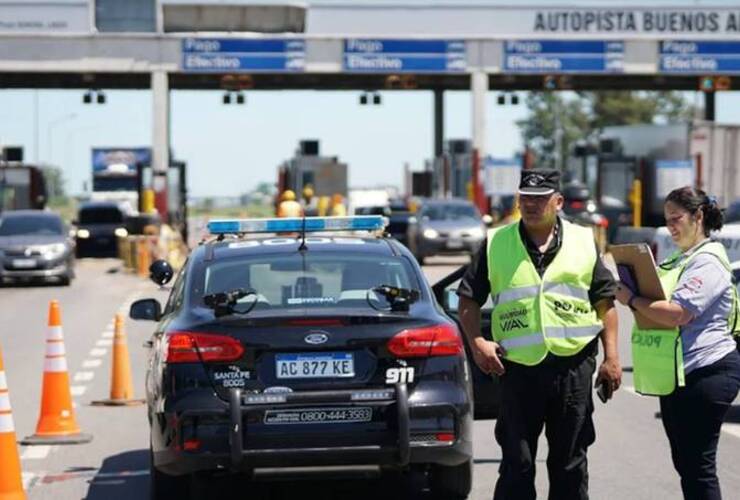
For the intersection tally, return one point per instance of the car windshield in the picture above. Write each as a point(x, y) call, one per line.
point(31, 224)
point(101, 215)
point(326, 279)
point(449, 212)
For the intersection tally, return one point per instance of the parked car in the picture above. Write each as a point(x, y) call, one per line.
point(445, 226)
point(35, 246)
point(99, 225)
point(336, 342)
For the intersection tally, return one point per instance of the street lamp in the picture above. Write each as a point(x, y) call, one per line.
point(50, 127)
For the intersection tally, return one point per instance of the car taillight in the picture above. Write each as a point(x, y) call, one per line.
point(578, 205)
point(437, 340)
point(183, 347)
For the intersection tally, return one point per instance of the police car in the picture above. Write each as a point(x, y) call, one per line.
point(308, 346)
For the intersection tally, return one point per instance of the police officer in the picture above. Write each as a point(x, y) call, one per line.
point(552, 297)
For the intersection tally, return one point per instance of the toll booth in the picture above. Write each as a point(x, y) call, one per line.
point(326, 174)
point(170, 206)
point(452, 171)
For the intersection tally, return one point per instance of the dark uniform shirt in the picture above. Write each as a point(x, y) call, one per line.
point(475, 284)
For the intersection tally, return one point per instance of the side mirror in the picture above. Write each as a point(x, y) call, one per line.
point(487, 220)
point(161, 272)
point(147, 309)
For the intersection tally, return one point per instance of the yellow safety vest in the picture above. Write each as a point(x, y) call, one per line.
point(657, 354)
point(531, 315)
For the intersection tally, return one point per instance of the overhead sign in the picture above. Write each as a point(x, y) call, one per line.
point(699, 57)
point(34, 16)
point(400, 56)
point(558, 56)
point(249, 55)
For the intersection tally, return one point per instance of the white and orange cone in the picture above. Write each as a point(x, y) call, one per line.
point(11, 485)
point(57, 423)
point(121, 388)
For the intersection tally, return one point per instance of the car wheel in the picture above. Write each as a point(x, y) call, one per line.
point(452, 483)
point(163, 486)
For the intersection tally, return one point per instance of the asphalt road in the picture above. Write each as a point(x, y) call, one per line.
point(630, 458)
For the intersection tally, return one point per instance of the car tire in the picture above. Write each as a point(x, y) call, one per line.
point(452, 483)
point(163, 486)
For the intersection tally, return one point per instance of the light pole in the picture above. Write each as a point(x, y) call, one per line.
point(50, 128)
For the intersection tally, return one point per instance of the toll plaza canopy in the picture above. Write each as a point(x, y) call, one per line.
point(365, 45)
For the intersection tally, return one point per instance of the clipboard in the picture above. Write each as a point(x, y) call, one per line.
point(638, 259)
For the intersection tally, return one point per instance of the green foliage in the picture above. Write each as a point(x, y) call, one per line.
point(582, 116)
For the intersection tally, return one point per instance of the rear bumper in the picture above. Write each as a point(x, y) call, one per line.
point(231, 444)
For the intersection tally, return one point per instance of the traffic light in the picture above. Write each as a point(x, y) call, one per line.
point(714, 83)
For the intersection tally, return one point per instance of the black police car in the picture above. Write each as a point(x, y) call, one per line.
point(304, 349)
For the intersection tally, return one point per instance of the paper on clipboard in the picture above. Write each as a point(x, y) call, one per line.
point(640, 259)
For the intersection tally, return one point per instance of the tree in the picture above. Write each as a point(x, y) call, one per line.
point(55, 183)
point(582, 116)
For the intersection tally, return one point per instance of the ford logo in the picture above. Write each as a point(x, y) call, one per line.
point(316, 338)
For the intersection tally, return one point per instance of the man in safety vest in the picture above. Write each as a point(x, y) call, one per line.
point(288, 206)
point(552, 297)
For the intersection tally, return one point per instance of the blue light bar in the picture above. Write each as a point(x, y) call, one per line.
point(296, 224)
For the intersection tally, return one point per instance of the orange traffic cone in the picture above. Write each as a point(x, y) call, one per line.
point(121, 389)
point(11, 486)
point(57, 424)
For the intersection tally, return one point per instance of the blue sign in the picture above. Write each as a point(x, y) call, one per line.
point(404, 56)
point(699, 57)
point(119, 161)
point(557, 56)
point(233, 55)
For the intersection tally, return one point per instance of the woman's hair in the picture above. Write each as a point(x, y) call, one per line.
point(692, 200)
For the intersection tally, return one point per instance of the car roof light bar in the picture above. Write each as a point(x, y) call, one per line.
point(298, 224)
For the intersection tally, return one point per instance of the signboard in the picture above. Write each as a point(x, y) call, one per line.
point(672, 174)
point(502, 175)
point(37, 16)
point(560, 56)
point(234, 55)
point(401, 56)
point(119, 161)
point(699, 57)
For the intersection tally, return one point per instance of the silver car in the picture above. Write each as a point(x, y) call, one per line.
point(35, 246)
point(450, 226)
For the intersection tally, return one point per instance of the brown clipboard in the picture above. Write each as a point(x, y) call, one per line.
point(640, 258)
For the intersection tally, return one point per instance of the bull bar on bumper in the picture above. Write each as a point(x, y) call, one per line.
point(241, 459)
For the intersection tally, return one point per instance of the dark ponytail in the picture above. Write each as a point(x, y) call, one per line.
point(692, 200)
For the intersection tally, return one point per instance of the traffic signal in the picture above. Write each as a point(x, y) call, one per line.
point(714, 83)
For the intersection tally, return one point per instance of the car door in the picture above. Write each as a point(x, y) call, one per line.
point(485, 387)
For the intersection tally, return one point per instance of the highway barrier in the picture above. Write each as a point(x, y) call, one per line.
point(11, 485)
point(138, 251)
point(121, 388)
point(57, 423)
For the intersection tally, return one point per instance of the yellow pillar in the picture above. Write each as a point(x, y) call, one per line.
point(637, 203)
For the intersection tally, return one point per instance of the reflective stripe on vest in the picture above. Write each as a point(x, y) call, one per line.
point(657, 354)
point(533, 316)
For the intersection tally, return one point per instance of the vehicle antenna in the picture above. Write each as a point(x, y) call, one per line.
point(303, 236)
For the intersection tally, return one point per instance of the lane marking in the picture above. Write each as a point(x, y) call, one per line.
point(35, 452)
point(83, 376)
point(92, 363)
point(77, 390)
point(97, 352)
point(108, 334)
point(104, 342)
point(94, 474)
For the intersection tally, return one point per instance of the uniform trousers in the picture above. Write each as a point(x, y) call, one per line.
point(556, 395)
point(692, 417)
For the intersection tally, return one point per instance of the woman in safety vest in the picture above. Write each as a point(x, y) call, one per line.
point(693, 363)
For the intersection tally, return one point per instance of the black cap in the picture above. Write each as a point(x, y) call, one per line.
point(539, 181)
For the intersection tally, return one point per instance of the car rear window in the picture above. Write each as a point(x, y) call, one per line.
point(106, 215)
point(326, 279)
point(31, 224)
point(449, 212)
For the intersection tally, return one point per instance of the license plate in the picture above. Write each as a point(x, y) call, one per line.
point(24, 263)
point(454, 244)
point(319, 416)
point(328, 365)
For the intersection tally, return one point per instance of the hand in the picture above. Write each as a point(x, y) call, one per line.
point(610, 372)
point(623, 294)
point(486, 354)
